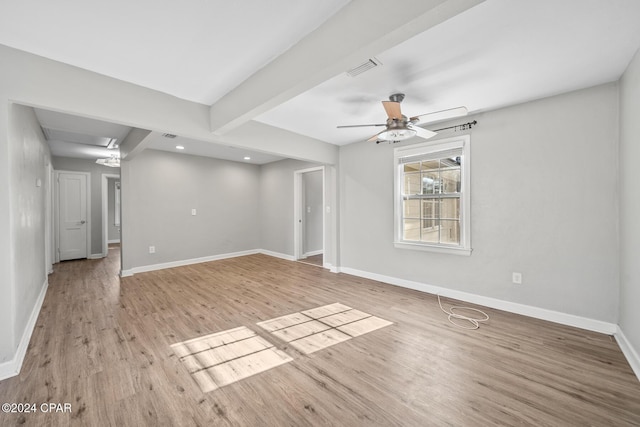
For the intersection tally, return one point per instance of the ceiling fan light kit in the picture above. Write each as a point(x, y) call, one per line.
point(112, 162)
point(396, 134)
point(400, 128)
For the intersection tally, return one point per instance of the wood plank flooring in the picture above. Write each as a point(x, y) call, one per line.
point(103, 344)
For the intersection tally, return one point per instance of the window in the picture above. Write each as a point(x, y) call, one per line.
point(432, 196)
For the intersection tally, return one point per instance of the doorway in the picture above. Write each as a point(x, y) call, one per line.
point(73, 214)
point(309, 215)
point(110, 211)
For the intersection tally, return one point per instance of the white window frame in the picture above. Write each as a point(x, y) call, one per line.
point(458, 142)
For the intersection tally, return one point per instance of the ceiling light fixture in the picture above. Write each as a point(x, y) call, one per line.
point(247, 158)
point(397, 134)
point(112, 162)
point(179, 147)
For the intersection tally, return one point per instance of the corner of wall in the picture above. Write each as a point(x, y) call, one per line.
point(629, 352)
point(12, 367)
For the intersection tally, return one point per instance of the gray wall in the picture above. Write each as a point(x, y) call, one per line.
point(96, 171)
point(159, 189)
point(314, 212)
point(240, 207)
point(630, 202)
point(113, 231)
point(29, 158)
point(544, 203)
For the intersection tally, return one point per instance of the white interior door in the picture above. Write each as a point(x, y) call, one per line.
point(72, 202)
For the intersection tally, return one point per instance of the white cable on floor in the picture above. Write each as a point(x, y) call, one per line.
point(475, 322)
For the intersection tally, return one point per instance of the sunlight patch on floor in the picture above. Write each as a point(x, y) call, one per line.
point(225, 357)
point(311, 330)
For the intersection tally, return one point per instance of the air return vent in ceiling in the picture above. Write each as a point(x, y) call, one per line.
point(366, 66)
point(169, 135)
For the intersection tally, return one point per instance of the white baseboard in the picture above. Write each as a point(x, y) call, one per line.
point(331, 267)
point(512, 307)
point(277, 254)
point(96, 256)
point(313, 253)
point(12, 367)
point(629, 352)
point(172, 264)
point(113, 241)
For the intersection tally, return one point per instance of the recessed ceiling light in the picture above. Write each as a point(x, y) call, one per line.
point(179, 147)
point(247, 158)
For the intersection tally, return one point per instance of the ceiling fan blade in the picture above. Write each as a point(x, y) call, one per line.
point(422, 133)
point(360, 126)
point(440, 115)
point(374, 137)
point(393, 109)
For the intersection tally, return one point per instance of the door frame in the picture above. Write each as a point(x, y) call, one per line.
point(298, 212)
point(57, 212)
point(105, 211)
point(49, 235)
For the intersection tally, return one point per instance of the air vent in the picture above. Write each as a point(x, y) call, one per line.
point(359, 69)
point(169, 135)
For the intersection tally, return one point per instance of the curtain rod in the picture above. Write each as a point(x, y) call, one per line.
point(463, 126)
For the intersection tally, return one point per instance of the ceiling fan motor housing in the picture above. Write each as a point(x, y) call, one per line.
point(396, 97)
point(400, 123)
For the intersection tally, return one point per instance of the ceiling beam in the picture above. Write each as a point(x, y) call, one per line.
point(363, 28)
point(135, 142)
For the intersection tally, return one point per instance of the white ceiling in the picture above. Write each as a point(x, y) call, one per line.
point(498, 53)
point(84, 138)
point(79, 137)
point(208, 149)
point(193, 49)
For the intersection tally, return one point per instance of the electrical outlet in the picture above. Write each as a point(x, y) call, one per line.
point(516, 278)
point(152, 249)
point(193, 212)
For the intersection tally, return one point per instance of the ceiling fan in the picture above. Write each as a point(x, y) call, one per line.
point(399, 127)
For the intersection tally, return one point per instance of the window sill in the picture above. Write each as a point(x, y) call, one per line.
point(433, 248)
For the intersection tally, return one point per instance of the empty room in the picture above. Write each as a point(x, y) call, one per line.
point(300, 213)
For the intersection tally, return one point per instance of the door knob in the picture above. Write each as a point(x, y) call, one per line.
point(83, 221)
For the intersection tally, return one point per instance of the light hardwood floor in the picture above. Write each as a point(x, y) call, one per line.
point(103, 344)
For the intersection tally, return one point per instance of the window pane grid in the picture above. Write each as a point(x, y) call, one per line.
point(431, 201)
